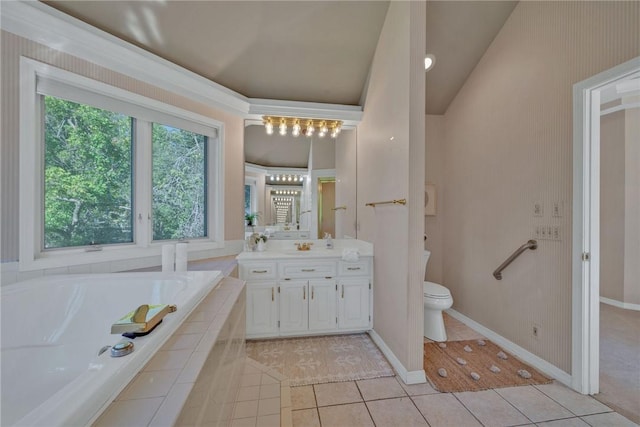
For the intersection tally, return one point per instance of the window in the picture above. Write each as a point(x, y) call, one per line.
point(247, 199)
point(87, 175)
point(179, 183)
point(103, 169)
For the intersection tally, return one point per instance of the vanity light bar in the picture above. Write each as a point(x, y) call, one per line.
point(302, 125)
point(286, 178)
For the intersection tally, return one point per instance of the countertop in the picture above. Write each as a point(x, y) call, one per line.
point(286, 249)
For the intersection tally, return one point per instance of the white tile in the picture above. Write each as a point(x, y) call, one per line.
point(193, 367)
point(567, 422)
point(269, 421)
point(250, 379)
point(129, 413)
point(182, 342)
point(168, 413)
point(610, 419)
point(27, 275)
point(491, 409)
point(244, 422)
point(395, 412)
point(577, 403)
point(246, 409)
point(269, 406)
point(80, 269)
point(54, 271)
point(534, 404)
point(443, 409)
point(248, 393)
point(209, 338)
point(193, 328)
point(150, 384)
point(167, 360)
point(268, 391)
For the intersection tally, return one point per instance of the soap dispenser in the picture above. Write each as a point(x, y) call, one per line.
point(328, 241)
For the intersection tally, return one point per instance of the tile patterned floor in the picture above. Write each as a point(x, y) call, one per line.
point(388, 401)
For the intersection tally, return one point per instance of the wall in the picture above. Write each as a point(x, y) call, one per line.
point(390, 165)
point(346, 162)
point(324, 153)
point(612, 171)
point(13, 47)
point(632, 207)
point(434, 225)
point(509, 144)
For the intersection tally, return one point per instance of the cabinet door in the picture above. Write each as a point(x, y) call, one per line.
point(262, 308)
point(294, 306)
point(322, 304)
point(353, 303)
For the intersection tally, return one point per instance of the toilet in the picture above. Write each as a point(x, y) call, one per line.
point(436, 298)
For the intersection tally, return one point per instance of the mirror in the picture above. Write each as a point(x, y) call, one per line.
point(301, 187)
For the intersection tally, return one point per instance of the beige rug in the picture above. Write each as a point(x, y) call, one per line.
point(316, 360)
point(462, 358)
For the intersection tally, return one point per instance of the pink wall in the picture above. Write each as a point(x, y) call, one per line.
point(508, 145)
point(390, 155)
point(434, 172)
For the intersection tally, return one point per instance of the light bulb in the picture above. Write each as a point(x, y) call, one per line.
point(429, 62)
point(289, 178)
point(278, 178)
point(268, 127)
point(295, 131)
point(283, 128)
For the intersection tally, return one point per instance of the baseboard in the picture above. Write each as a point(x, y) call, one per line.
point(620, 304)
point(525, 355)
point(408, 377)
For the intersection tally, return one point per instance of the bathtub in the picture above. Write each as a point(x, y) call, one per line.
point(53, 328)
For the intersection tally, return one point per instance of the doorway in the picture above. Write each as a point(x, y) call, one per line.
point(326, 206)
point(587, 230)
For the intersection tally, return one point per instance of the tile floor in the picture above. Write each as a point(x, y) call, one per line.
point(264, 398)
point(388, 401)
point(620, 360)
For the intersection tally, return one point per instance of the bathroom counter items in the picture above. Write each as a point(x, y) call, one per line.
point(283, 249)
point(312, 292)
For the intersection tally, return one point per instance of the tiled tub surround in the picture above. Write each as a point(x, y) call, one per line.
point(53, 327)
point(195, 377)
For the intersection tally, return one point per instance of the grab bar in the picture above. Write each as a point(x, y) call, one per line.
point(388, 202)
point(531, 244)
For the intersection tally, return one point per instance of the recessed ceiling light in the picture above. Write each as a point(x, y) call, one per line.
point(429, 62)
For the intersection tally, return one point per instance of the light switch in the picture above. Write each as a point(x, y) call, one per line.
point(556, 210)
point(538, 209)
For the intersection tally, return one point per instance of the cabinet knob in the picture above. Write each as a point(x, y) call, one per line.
point(304, 293)
point(273, 291)
point(342, 291)
point(312, 292)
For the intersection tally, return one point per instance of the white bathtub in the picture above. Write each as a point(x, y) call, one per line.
point(53, 327)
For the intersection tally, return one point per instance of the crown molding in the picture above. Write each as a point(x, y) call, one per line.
point(351, 115)
point(43, 24)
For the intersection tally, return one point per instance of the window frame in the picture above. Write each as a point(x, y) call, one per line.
point(32, 256)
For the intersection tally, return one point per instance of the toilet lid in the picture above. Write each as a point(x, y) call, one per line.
point(434, 290)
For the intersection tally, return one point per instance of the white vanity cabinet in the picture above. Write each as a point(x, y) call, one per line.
point(306, 294)
point(323, 310)
point(294, 307)
point(262, 308)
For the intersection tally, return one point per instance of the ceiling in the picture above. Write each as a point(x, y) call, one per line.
point(315, 51)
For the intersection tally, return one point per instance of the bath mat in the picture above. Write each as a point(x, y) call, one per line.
point(491, 366)
point(325, 359)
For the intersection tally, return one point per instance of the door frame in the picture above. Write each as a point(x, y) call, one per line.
point(585, 355)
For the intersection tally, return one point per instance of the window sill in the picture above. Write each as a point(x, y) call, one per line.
point(131, 253)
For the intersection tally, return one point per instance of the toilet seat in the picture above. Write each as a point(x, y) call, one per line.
point(436, 291)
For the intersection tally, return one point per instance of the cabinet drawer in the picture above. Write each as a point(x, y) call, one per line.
point(258, 270)
point(358, 268)
point(307, 269)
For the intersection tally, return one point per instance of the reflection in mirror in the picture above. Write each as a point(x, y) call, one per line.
point(300, 187)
